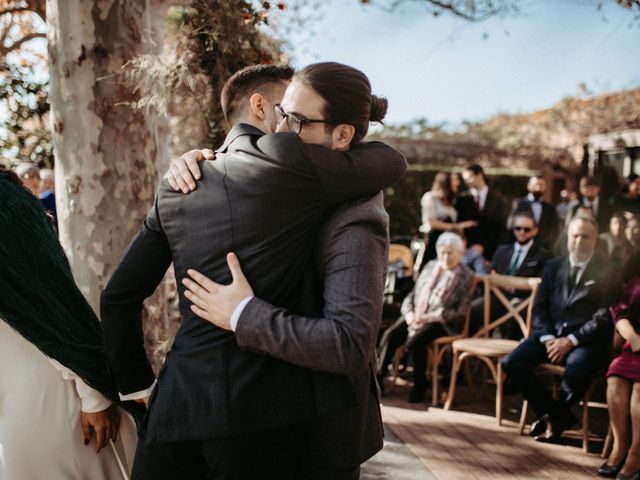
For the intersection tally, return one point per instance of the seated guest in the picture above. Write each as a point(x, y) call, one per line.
point(618, 247)
point(632, 233)
point(522, 258)
point(484, 205)
point(628, 199)
point(29, 174)
point(590, 197)
point(472, 258)
point(438, 211)
point(47, 194)
point(623, 388)
point(571, 327)
point(436, 308)
point(544, 213)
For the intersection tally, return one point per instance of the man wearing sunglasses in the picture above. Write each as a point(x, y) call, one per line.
point(220, 398)
point(522, 258)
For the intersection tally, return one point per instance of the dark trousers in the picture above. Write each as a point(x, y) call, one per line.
point(581, 363)
point(416, 345)
point(267, 454)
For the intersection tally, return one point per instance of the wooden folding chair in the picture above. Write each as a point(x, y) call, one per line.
point(437, 349)
point(557, 371)
point(492, 350)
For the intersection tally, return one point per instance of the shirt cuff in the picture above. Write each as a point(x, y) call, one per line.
point(545, 338)
point(573, 339)
point(138, 395)
point(235, 316)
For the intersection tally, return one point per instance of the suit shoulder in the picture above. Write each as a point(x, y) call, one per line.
point(366, 212)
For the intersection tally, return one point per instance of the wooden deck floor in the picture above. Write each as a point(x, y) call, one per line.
point(463, 445)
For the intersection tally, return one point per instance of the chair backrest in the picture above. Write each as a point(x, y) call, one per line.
point(497, 285)
point(467, 319)
point(402, 253)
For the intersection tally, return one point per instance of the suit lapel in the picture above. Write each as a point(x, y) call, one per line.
point(527, 259)
point(564, 280)
point(587, 277)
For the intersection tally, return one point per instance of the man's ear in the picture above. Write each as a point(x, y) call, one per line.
point(342, 136)
point(258, 105)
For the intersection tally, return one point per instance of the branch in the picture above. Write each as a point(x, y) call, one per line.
point(17, 44)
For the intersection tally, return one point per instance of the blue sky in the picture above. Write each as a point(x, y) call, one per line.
point(446, 70)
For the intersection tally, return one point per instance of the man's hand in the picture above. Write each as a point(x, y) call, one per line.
point(558, 349)
point(214, 302)
point(103, 425)
point(184, 170)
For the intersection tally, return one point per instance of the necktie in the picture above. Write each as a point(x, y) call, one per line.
point(514, 265)
point(573, 277)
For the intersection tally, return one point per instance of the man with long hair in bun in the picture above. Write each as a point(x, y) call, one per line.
point(281, 372)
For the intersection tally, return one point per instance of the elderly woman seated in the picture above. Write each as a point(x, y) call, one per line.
point(435, 308)
point(623, 389)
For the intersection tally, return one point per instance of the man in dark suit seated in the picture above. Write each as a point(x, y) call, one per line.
point(571, 328)
point(484, 205)
point(544, 213)
point(522, 258)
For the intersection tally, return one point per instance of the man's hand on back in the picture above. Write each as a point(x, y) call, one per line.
point(215, 302)
point(184, 170)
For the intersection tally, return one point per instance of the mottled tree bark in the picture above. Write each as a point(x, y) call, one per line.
point(108, 154)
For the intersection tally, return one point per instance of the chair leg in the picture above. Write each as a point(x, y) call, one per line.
point(585, 421)
point(397, 356)
point(454, 379)
point(523, 416)
point(435, 360)
point(499, 382)
point(469, 377)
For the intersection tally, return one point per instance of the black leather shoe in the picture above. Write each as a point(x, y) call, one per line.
point(610, 471)
point(632, 476)
point(417, 394)
point(539, 426)
point(557, 426)
point(562, 423)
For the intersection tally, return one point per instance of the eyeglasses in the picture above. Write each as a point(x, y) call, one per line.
point(522, 229)
point(294, 122)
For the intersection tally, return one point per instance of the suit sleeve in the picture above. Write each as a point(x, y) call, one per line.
point(542, 322)
point(121, 304)
point(342, 340)
point(361, 171)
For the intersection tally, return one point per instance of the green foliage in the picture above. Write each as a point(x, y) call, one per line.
point(24, 113)
point(213, 39)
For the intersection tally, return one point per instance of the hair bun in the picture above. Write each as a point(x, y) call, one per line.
point(379, 107)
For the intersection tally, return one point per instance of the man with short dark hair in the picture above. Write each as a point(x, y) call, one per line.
point(544, 213)
point(522, 258)
point(484, 205)
point(262, 198)
point(590, 198)
point(571, 327)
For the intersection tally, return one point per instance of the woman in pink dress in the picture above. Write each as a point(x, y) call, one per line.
point(623, 389)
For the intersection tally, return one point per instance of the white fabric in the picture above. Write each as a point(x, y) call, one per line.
point(536, 208)
point(480, 196)
point(544, 338)
point(582, 266)
point(434, 209)
point(235, 316)
point(139, 394)
point(40, 431)
point(523, 250)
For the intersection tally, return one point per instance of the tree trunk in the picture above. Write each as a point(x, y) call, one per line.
point(108, 154)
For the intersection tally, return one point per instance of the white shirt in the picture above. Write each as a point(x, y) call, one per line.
point(536, 207)
point(480, 196)
point(523, 250)
point(593, 205)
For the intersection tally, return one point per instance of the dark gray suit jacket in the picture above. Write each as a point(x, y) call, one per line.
point(264, 198)
point(337, 339)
